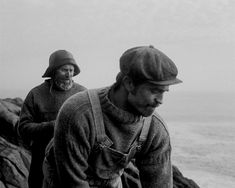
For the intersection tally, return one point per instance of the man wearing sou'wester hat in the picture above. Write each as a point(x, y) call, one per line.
point(41, 106)
point(116, 125)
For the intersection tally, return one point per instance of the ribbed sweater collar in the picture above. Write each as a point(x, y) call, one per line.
point(116, 113)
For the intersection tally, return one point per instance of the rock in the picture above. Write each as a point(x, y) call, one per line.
point(14, 165)
point(17, 101)
point(182, 182)
point(130, 178)
point(9, 116)
point(11, 106)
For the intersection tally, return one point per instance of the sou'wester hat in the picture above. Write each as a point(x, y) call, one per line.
point(58, 59)
point(148, 64)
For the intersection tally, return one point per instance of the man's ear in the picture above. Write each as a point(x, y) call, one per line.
point(128, 83)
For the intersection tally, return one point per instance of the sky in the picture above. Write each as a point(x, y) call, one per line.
point(198, 35)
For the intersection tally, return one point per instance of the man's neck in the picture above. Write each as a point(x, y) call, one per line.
point(118, 97)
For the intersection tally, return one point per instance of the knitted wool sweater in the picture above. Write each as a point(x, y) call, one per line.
point(75, 137)
point(40, 109)
point(37, 122)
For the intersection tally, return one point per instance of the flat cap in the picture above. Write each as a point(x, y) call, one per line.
point(148, 64)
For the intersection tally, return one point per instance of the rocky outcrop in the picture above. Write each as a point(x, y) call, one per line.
point(14, 165)
point(182, 182)
point(15, 159)
point(9, 116)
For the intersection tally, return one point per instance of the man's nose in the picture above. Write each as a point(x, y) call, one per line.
point(159, 99)
point(68, 74)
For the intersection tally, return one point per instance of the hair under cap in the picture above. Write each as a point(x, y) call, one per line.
point(58, 59)
point(148, 64)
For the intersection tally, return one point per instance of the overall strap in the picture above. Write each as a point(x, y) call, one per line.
point(144, 131)
point(98, 117)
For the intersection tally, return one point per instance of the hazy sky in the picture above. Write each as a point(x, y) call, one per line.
point(198, 35)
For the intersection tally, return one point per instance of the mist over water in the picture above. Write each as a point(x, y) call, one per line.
point(202, 130)
point(199, 107)
point(13, 93)
point(180, 106)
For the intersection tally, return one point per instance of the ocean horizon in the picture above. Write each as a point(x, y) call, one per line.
point(202, 131)
point(198, 107)
point(180, 106)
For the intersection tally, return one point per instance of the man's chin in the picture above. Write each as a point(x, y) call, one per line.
point(148, 112)
point(145, 111)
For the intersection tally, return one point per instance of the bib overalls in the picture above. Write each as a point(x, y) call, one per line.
point(106, 164)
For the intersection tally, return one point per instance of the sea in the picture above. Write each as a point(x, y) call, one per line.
point(199, 106)
point(202, 131)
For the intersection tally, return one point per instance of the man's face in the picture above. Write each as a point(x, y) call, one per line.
point(64, 73)
point(144, 98)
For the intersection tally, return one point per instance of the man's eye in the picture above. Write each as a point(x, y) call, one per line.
point(156, 91)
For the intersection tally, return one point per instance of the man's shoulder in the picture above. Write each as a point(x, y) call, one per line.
point(79, 87)
point(74, 105)
point(79, 103)
point(159, 123)
point(78, 99)
point(39, 89)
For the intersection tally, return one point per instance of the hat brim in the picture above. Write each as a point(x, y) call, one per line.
point(167, 82)
point(50, 70)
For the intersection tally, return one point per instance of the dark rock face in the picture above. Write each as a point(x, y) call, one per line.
point(130, 178)
point(182, 182)
point(9, 116)
point(14, 165)
point(17, 101)
point(15, 160)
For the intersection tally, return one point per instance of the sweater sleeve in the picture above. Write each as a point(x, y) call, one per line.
point(73, 140)
point(155, 162)
point(30, 130)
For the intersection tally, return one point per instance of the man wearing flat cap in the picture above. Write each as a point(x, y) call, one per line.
point(98, 132)
point(41, 106)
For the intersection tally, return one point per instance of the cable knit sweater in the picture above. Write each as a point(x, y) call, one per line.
point(75, 138)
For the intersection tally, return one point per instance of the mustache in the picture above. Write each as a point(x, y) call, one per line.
point(63, 79)
point(64, 85)
point(155, 105)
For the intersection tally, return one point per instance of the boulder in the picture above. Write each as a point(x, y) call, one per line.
point(14, 165)
point(17, 101)
point(180, 181)
point(130, 178)
point(9, 116)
